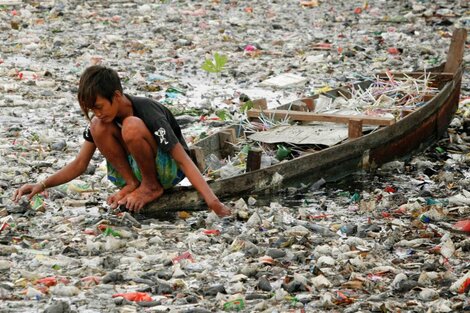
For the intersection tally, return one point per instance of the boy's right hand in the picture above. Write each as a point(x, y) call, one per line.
point(220, 209)
point(27, 189)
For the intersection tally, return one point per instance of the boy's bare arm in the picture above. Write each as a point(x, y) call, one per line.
point(192, 173)
point(72, 170)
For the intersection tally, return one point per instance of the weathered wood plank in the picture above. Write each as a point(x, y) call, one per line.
point(456, 50)
point(311, 117)
point(227, 138)
point(355, 128)
point(197, 155)
point(261, 104)
point(253, 160)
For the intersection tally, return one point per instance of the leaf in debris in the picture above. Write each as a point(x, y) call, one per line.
point(224, 115)
point(216, 64)
point(247, 106)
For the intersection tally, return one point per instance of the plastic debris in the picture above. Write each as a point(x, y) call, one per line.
point(134, 296)
point(392, 240)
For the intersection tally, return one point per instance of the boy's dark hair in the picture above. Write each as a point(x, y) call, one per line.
point(97, 81)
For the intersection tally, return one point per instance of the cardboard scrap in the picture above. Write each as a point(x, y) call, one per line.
point(286, 80)
point(327, 134)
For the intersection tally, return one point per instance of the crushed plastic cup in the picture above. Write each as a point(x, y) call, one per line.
point(37, 202)
point(463, 225)
point(108, 231)
point(425, 219)
point(134, 296)
point(184, 256)
point(234, 305)
point(211, 232)
point(282, 152)
point(52, 281)
point(465, 286)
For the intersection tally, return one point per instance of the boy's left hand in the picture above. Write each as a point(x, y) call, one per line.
point(220, 209)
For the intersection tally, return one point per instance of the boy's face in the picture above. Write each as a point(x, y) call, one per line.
point(104, 109)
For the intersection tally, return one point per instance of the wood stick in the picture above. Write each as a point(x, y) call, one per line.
point(253, 160)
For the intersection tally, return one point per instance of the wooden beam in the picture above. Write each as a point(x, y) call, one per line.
point(253, 160)
point(354, 128)
point(261, 104)
point(311, 117)
point(456, 50)
point(404, 113)
point(197, 155)
point(226, 141)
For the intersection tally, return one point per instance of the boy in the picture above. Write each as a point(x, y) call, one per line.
point(141, 141)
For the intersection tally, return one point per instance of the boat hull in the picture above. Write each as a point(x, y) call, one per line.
point(409, 135)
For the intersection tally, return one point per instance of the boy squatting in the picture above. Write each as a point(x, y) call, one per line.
point(141, 141)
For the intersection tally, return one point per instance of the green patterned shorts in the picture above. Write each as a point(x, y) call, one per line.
point(168, 172)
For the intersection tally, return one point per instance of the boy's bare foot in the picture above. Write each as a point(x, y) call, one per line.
point(116, 197)
point(136, 200)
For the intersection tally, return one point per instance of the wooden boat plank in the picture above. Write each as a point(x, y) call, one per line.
point(456, 51)
point(311, 117)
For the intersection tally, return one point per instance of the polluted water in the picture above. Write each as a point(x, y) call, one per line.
point(392, 240)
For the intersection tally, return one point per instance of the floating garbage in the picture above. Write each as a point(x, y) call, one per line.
point(134, 296)
point(395, 240)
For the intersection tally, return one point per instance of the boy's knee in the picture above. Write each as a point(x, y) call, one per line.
point(96, 126)
point(132, 128)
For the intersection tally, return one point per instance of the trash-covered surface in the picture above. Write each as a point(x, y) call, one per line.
point(396, 240)
point(279, 138)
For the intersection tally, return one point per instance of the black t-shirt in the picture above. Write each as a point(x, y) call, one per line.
point(158, 119)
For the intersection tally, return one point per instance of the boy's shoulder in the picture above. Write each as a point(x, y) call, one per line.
point(148, 108)
point(138, 100)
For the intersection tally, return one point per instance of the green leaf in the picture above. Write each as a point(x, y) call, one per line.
point(247, 106)
point(35, 137)
point(220, 61)
point(223, 115)
point(208, 66)
point(216, 64)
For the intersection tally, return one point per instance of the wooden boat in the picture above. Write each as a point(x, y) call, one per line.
point(415, 131)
